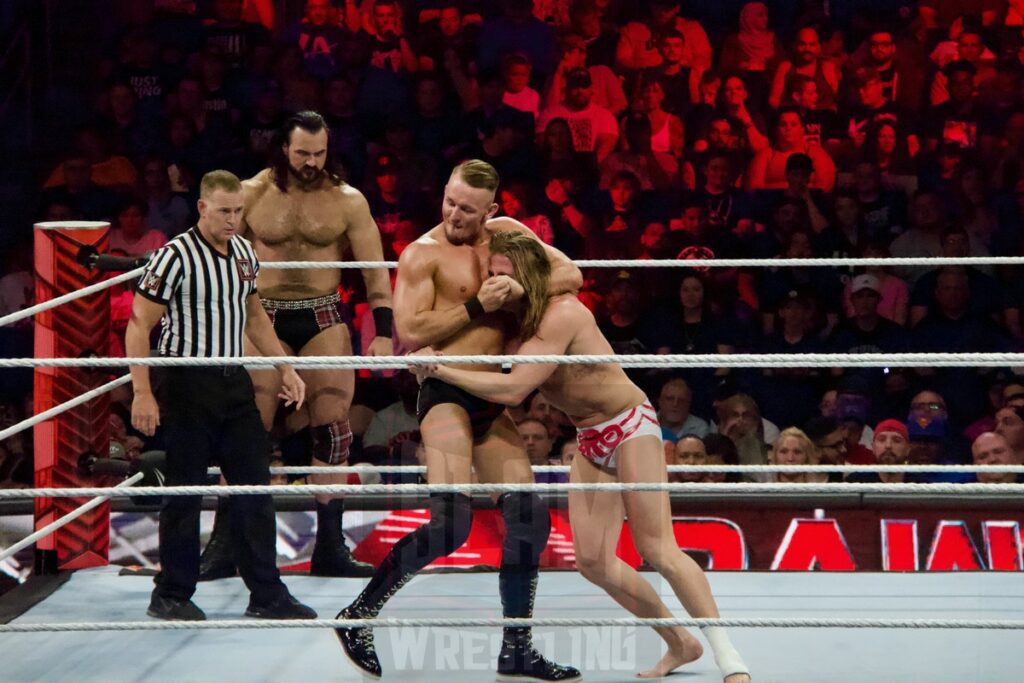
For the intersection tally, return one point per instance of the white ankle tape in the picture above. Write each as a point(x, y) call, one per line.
point(726, 656)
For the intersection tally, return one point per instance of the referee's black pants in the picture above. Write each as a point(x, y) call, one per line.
point(209, 414)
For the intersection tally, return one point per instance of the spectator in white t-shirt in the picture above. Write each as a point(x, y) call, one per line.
point(593, 128)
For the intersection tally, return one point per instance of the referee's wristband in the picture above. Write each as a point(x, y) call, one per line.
point(383, 321)
point(474, 308)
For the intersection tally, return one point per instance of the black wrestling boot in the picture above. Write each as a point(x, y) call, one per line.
point(331, 556)
point(451, 518)
point(520, 661)
point(217, 562)
point(357, 644)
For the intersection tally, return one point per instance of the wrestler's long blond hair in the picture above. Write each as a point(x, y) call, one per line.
point(532, 270)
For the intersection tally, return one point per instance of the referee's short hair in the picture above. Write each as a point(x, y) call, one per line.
point(219, 180)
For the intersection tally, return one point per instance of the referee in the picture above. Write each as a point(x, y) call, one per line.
point(202, 287)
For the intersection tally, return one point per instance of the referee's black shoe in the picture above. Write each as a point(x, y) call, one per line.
point(284, 606)
point(174, 609)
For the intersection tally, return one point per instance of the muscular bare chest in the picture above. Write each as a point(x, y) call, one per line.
point(461, 271)
point(296, 220)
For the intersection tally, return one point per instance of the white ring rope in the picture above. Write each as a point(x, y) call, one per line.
point(395, 489)
point(69, 517)
point(541, 622)
point(737, 360)
point(63, 407)
point(70, 296)
point(742, 469)
point(925, 261)
point(582, 263)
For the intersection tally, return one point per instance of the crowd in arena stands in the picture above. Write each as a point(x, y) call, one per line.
point(625, 129)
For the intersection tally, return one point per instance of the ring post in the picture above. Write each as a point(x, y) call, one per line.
point(78, 328)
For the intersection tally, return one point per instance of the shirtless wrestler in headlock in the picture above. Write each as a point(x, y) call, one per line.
point(445, 299)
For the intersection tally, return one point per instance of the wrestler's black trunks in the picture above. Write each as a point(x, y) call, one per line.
point(482, 414)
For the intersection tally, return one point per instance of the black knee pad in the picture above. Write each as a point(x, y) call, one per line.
point(527, 527)
point(451, 518)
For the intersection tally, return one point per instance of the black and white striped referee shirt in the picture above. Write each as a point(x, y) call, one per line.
point(205, 292)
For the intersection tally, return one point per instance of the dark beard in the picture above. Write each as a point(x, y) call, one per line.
point(307, 181)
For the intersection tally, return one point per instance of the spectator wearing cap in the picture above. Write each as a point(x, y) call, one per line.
point(637, 48)
point(674, 402)
point(895, 294)
point(866, 331)
point(654, 169)
point(593, 127)
point(821, 285)
point(619, 317)
point(788, 394)
point(987, 298)
point(607, 84)
point(1010, 425)
point(890, 445)
point(931, 443)
point(991, 449)
point(389, 205)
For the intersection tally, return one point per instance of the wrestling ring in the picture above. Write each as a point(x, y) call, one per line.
point(913, 619)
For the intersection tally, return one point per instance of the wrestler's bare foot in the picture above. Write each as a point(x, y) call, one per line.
point(738, 678)
point(688, 650)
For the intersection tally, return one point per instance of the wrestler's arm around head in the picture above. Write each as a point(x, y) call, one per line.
point(417, 322)
point(364, 236)
point(562, 319)
point(565, 276)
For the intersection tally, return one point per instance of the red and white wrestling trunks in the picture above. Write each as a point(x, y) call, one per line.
point(600, 443)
